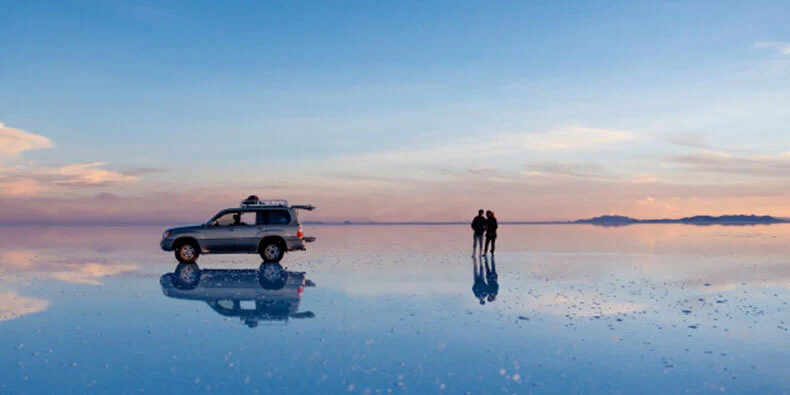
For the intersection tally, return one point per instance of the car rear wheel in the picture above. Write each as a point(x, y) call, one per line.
point(272, 251)
point(272, 276)
point(187, 252)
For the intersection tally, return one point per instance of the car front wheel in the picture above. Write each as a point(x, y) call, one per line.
point(187, 253)
point(186, 276)
point(272, 251)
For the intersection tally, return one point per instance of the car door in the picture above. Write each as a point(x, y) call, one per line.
point(246, 233)
point(220, 235)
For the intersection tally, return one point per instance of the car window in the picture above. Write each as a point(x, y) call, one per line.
point(247, 218)
point(234, 218)
point(224, 219)
point(275, 217)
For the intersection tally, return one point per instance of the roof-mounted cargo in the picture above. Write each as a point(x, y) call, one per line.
point(253, 201)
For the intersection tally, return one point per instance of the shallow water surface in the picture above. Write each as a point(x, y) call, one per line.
point(381, 309)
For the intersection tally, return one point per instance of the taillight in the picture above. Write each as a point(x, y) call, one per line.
point(300, 232)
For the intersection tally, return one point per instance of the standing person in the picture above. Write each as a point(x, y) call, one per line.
point(479, 226)
point(491, 226)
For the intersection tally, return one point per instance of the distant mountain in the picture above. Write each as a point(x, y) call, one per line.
point(609, 220)
point(731, 220)
point(619, 220)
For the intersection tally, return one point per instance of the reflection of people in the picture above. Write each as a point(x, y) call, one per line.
point(479, 289)
point(492, 278)
point(479, 227)
point(491, 227)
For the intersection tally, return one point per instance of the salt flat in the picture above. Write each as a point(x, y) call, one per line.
point(575, 309)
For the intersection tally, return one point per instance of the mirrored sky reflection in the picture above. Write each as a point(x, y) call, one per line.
point(579, 309)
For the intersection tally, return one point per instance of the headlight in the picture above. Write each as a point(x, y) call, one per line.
point(166, 234)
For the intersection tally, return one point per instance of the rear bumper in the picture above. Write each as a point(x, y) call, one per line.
point(166, 244)
point(298, 244)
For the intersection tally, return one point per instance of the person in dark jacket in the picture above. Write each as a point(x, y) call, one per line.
point(479, 227)
point(491, 227)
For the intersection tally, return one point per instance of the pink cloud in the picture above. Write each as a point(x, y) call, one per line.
point(15, 141)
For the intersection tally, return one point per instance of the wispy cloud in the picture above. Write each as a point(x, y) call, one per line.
point(567, 139)
point(28, 181)
point(689, 140)
point(15, 141)
point(83, 175)
point(780, 46)
point(722, 162)
point(44, 265)
point(13, 305)
point(571, 169)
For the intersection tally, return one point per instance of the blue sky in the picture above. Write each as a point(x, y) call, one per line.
point(209, 96)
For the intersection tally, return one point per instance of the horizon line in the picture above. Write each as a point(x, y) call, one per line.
point(584, 221)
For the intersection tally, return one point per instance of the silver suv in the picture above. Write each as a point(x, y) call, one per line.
point(266, 227)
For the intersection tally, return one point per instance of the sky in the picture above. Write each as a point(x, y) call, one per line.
point(127, 112)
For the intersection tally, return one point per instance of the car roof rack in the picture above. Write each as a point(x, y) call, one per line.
point(253, 201)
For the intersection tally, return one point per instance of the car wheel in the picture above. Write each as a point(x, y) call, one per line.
point(186, 276)
point(187, 252)
point(272, 276)
point(272, 251)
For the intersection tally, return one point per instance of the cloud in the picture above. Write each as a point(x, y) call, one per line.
point(645, 178)
point(14, 306)
point(690, 140)
point(780, 46)
point(15, 141)
point(42, 264)
point(722, 162)
point(89, 175)
point(90, 273)
point(582, 307)
point(27, 181)
point(570, 169)
point(652, 203)
point(20, 187)
point(569, 139)
point(30, 180)
point(142, 171)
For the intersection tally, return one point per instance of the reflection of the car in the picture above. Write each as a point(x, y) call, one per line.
point(268, 294)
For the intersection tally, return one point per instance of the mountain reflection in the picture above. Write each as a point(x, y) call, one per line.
point(269, 294)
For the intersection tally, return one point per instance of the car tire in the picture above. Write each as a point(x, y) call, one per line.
point(186, 276)
point(187, 252)
point(272, 251)
point(272, 276)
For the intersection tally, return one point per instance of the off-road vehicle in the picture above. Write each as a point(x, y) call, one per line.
point(266, 227)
